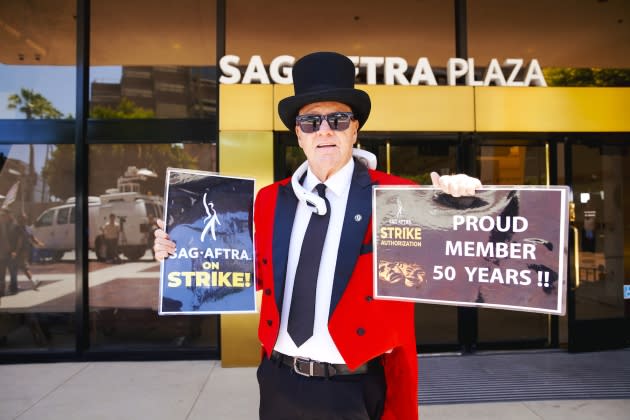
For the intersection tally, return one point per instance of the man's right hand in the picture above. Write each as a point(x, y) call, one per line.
point(456, 185)
point(163, 246)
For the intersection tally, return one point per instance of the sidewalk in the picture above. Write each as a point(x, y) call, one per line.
point(196, 390)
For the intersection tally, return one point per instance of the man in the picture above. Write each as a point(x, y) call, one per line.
point(111, 232)
point(8, 252)
point(151, 228)
point(330, 351)
point(26, 241)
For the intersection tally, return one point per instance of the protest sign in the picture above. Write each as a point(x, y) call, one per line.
point(209, 217)
point(504, 247)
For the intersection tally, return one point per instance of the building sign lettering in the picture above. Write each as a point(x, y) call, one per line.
point(392, 71)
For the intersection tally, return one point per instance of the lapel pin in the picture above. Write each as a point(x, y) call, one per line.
point(357, 217)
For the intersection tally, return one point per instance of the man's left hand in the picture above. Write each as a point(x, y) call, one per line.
point(456, 185)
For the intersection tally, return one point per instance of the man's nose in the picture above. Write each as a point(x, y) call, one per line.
point(324, 127)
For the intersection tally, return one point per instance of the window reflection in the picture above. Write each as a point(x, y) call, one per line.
point(168, 74)
point(37, 73)
point(126, 187)
point(37, 282)
point(355, 28)
point(152, 92)
point(596, 31)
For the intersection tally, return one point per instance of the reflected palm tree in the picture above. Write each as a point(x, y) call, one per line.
point(34, 106)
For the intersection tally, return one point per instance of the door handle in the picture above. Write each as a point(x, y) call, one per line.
point(576, 257)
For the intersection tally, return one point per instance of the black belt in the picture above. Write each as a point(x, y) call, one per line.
point(307, 367)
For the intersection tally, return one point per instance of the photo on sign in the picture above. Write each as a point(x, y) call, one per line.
point(209, 217)
point(504, 247)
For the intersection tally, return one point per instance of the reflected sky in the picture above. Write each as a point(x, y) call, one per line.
point(55, 83)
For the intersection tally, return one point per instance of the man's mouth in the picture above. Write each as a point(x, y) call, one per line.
point(325, 145)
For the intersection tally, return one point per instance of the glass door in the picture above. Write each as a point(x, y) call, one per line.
point(599, 175)
point(513, 162)
point(437, 326)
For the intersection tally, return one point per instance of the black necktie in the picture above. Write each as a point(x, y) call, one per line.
point(302, 312)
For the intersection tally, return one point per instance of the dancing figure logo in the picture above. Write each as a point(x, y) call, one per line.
point(210, 220)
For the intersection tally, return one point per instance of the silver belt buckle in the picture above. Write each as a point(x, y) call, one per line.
point(297, 360)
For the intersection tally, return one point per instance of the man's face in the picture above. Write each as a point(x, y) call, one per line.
point(327, 150)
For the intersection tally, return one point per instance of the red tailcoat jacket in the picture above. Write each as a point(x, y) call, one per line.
point(362, 328)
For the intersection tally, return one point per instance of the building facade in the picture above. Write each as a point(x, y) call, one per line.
point(94, 91)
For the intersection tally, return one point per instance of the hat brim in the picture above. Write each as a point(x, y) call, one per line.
point(357, 100)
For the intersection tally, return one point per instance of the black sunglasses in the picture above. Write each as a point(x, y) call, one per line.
point(338, 121)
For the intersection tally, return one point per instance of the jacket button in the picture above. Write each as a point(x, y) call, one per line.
point(369, 298)
point(267, 292)
point(269, 322)
point(264, 260)
point(360, 331)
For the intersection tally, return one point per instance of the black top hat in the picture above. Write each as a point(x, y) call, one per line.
point(322, 77)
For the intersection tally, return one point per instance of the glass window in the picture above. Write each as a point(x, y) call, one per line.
point(45, 219)
point(37, 59)
point(406, 29)
point(38, 301)
point(62, 216)
point(129, 183)
point(580, 43)
point(153, 62)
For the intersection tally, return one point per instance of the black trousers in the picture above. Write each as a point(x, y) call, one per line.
point(10, 264)
point(286, 395)
point(111, 248)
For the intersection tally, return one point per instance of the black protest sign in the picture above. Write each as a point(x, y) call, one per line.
point(504, 247)
point(209, 217)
